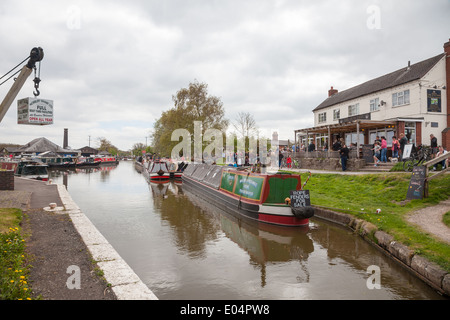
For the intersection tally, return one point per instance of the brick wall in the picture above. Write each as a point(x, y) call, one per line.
point(7, 180)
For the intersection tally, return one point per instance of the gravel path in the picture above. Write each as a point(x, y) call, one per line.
point(430, 220)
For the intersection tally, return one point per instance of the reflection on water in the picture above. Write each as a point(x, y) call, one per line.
point(184, 248)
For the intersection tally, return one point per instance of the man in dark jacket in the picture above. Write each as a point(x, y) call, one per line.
point(403, 142)
point(344, 157)
point(434, 146)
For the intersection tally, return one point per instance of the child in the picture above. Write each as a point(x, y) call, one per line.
point(377, 155)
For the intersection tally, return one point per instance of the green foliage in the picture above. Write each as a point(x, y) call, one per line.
point(362, 195)
point(14, 273)
point(190, 104)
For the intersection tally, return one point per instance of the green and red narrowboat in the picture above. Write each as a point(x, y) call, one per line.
point(259, 196)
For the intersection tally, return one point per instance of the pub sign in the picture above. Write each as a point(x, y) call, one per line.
point(434, 100)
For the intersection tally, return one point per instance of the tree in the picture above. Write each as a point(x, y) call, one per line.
point(245, 125)
point(106, 145)
point(190, 104)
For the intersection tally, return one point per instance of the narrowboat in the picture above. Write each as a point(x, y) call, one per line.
point(86, 162)
point(106, 160)
point(176, 170)
point(264, 197)
point(32, 170)
point(156, 171)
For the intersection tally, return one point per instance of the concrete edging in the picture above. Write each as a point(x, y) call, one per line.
point(427, 271)
point(125, 283)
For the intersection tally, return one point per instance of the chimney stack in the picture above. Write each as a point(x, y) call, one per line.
point(332, 92)
point(66, 139)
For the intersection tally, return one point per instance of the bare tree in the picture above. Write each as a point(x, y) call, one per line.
point(245, 125)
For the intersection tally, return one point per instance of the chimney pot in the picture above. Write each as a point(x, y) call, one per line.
point(332, 91)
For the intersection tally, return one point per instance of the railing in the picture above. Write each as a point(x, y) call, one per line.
point(435, 161)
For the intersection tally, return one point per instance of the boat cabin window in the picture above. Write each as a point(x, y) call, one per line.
point(34, 170)
point(159, 166)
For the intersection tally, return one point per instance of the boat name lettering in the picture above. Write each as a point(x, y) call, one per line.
point(246, 182)
point(246, 193)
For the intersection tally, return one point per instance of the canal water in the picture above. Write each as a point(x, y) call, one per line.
point(183, 248)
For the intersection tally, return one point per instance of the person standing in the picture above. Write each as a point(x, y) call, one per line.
point(395, 147)
point(280, 159)
point(377, 153)
point(403, 142)
point(383, 149)
point(434, 146)
point(344, 157)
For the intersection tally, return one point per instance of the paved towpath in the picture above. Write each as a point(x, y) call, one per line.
point(63, 245)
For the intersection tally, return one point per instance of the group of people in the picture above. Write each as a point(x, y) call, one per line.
point(398, 145)
point(380, 148)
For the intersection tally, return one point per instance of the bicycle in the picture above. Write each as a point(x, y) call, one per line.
point(296, 164)
point(418, 157)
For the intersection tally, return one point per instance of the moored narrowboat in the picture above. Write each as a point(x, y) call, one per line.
point(264, 197)
point(106, 160)
point(156, 171)
point(32, 170)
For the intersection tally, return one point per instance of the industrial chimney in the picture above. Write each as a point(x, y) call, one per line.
point(66, 139)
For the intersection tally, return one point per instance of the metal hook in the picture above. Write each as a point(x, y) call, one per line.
point(36, 86)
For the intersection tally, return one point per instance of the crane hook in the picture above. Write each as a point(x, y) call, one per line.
point(36, 86)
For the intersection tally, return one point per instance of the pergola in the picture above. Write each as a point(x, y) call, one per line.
point(346, 126)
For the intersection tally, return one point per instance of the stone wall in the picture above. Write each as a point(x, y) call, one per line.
point(429, 272)
point(7, 180)
point(330, 164)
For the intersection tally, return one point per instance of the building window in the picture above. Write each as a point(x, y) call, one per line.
point(400, 98)
point(353, 110)
point(351, 139)
point(322, 117)
point(321, 141)
point(375, 105)
point(410, 132)
point(336, 114)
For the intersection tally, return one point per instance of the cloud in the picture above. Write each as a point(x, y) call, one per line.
point(112, 66)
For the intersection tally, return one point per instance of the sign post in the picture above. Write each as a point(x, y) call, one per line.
point(300, 198)
point(417, 186)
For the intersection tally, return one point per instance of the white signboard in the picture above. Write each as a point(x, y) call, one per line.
point(407, 151)
point(35, 111)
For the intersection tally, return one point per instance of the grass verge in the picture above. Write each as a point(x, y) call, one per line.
point(362, 195)
point(14, 273)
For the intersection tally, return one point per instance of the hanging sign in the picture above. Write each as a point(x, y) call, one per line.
point(35, 111)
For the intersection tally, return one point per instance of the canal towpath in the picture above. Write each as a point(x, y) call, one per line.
point(70, 259)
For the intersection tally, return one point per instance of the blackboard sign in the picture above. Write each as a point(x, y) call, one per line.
point(300, 198)
point(367, 153)
point(417, 185)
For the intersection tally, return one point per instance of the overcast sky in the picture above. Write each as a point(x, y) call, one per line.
point(111, 67)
